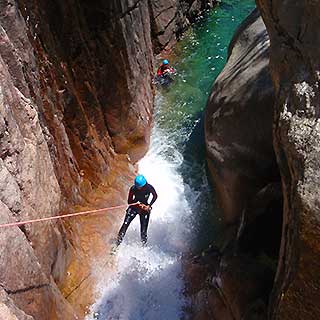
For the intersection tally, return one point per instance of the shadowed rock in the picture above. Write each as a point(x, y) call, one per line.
point(294, 59)
point(238, 121)
point(241, 160)
point(228, 287)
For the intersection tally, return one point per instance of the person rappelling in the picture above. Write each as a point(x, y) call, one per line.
point(138, 196)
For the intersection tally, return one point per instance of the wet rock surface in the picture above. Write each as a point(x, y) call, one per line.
point(294, 62)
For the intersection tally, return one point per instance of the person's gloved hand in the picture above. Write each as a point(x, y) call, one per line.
point(145, 207)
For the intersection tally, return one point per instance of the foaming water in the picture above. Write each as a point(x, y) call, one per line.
point(147, 283)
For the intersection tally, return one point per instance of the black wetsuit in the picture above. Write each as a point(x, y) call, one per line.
point(141, 195)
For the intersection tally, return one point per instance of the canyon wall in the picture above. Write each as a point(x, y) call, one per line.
point(235, 280)
point(254, 129)
point(295, 69)
point(76, 105)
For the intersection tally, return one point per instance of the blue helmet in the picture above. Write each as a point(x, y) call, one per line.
point(165, 61)
point(140, 181)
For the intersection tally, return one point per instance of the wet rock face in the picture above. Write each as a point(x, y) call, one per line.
point(75, 105)
point(169, 18)
point(238, 121)
point(295, 69)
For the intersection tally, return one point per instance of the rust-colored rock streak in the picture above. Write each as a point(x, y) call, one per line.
point(295, 49)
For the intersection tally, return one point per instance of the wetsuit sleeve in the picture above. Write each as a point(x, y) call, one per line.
point(130, 196)
point(159, 72)
point(154, 195)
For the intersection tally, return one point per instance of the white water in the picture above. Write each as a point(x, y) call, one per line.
point(147, 283)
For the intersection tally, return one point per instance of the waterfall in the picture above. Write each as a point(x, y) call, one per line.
point(148, 282)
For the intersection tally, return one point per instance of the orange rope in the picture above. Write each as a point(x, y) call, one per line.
point(12, 224)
